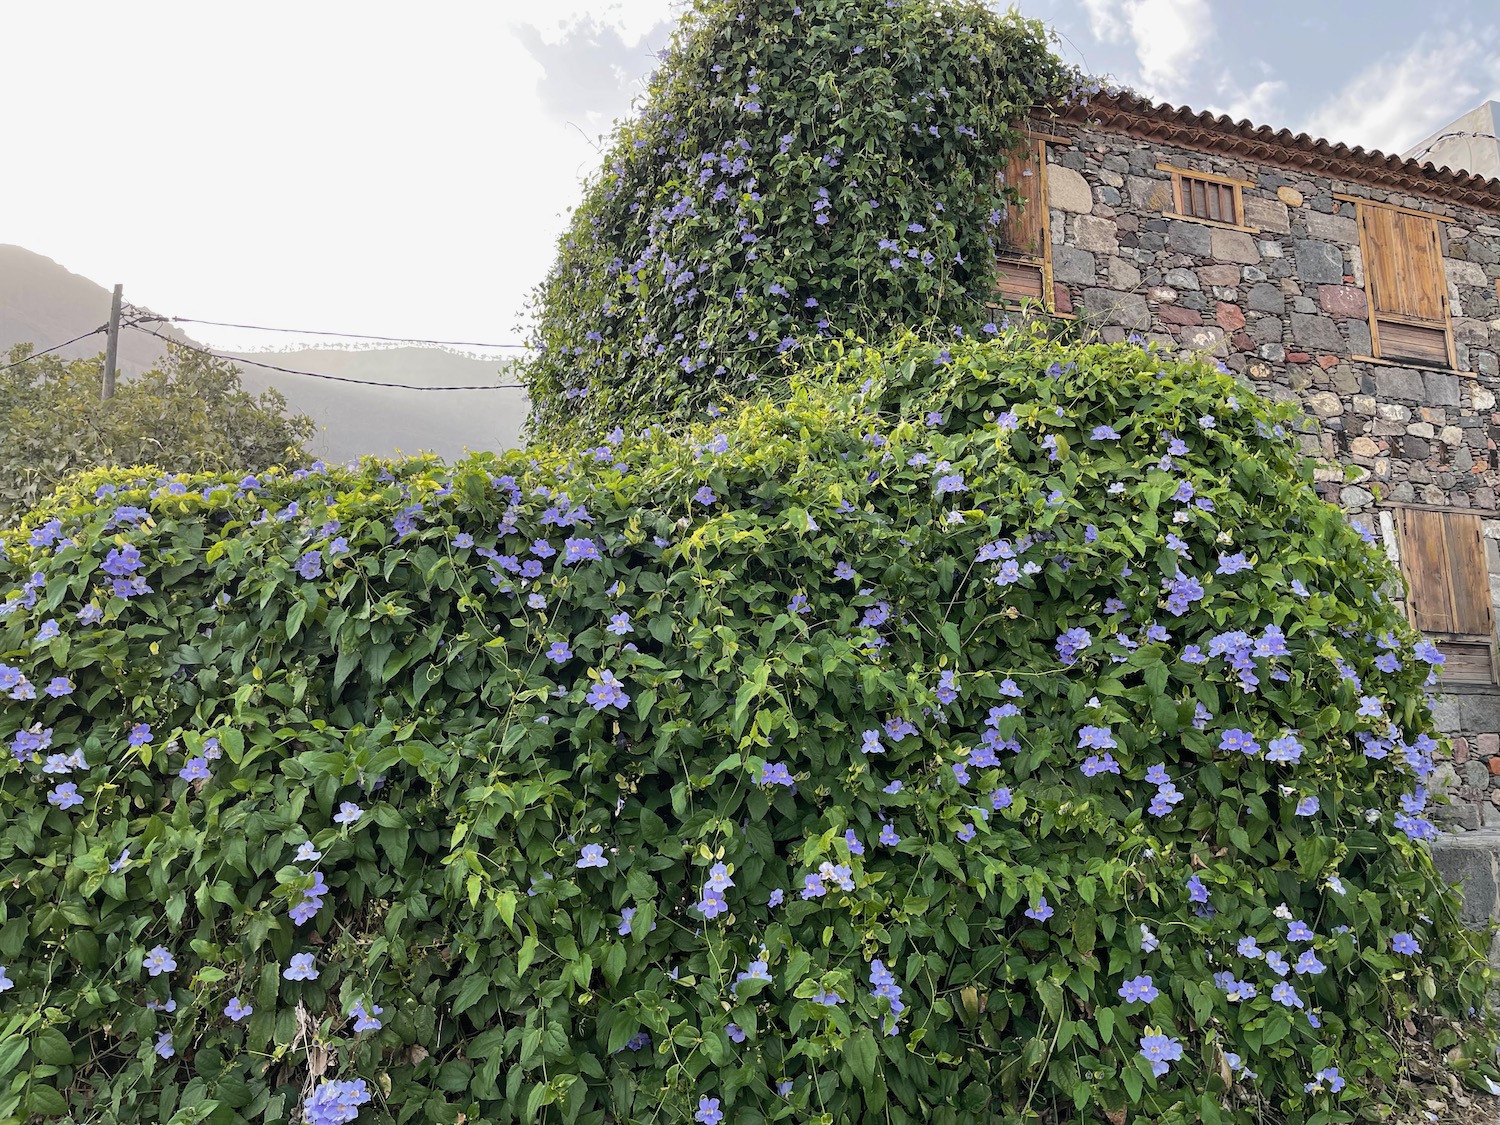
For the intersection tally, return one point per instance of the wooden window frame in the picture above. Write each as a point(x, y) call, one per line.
point(1376, 313)
point(1180, 212)
point(1434, 576)
point(1043, 262)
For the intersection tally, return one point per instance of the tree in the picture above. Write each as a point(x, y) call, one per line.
point(799, 169)
point(187, 415)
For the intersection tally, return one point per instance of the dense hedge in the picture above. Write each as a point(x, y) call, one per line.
point(797, 169)
point(991, 731)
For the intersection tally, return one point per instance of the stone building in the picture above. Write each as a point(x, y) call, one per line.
point(1365, 286)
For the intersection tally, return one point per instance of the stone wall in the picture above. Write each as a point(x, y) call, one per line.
point(1283, 305)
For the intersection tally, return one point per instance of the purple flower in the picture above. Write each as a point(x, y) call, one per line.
point(140, 734)
point(1099, 763)
point(65, 796)
point(59, 686)
point(301, 968)
point(777, 897)
point(954, 482)
point(196, 769)
point(1405, 943)
point(334, 1102)
point(164, 1046)
point(310, 565)
point(1299, 931)
point(463, 541)
point(238, 1010)
point(619, 624)
point(705, 496)
point(119, 865)
point(1329, 1075)
point(1232, 564)
point(1097, 738)
point(1139, 989)
point(48, 630)
point(607, 692)
point(1160, 1051)
point(1236, 739)
point(1041, 911)
point(708, 1111)
point(735, 1032)
point(592, 856)
point(1307, 806)
point(888, 836)
point(1197, 892)
point(348, 813)
point(1285, 995)
point(1105, 433)
point(364, 1018)
point(580, 550)
point(559, 653)
point(158, 961)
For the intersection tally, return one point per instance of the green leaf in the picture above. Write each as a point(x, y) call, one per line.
point(862, 1055)
point(51, 1046)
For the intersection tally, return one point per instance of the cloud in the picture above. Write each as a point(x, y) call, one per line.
point(1168, 36)
point(1403, 97)
point(590, 69)
point(1260, 104)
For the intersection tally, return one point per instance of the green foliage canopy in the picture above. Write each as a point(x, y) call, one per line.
point(812, 764)
point(798, 168)
point(187, 415)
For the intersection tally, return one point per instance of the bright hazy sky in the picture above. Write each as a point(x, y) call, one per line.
point(404, 169)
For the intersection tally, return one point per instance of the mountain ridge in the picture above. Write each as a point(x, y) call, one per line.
point(44, 304)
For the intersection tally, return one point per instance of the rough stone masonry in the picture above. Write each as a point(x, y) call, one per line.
point(1280, 298)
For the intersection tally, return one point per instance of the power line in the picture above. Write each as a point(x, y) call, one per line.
point(56, 347)
point(137, 325)
point(321, 332)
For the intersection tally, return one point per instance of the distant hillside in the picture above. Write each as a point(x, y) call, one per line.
point(42, 303)
point(353, 419)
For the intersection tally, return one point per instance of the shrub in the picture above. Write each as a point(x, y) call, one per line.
point(798, 169)
point(189, 414)
point(989, 732)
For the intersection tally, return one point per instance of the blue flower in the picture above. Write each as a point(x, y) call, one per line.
point(238, 1010)
point(559, 653)
point(1406, 944)
point(580, 550)
point(1329, 1075)
point(364, 1018)
point(708, 1111)
point(310, 565)
point(164, 1046)
point(140, 734)
point(158, 961)
point(1307, 806)
point(1160, 1051)
point(301, 968)
point(592, 856)
point(65, 796)
point(1139, 989)
point(619, 624)
point(705, 496)
point(1197, 892)
point(119, 865)
point(1041, 911)
point(1105, 433)
point(463, 541)
point(348, 813)
point(196, 769)
point(607, 692)
point(735, 1032)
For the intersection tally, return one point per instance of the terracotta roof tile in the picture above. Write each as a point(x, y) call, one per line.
point(1191, 128)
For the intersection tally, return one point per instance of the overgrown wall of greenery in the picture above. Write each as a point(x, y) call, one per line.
point(798, 169)
point(994, 729)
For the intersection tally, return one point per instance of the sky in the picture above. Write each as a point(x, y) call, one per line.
point(405, 170)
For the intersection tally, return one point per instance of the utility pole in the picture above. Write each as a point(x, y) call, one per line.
point(112, 349)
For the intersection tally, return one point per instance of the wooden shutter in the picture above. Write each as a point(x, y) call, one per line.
point(1404, 281)
point(1026, 232)
point(1023, 271)
point(1208, 199)
point(1443, 557)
